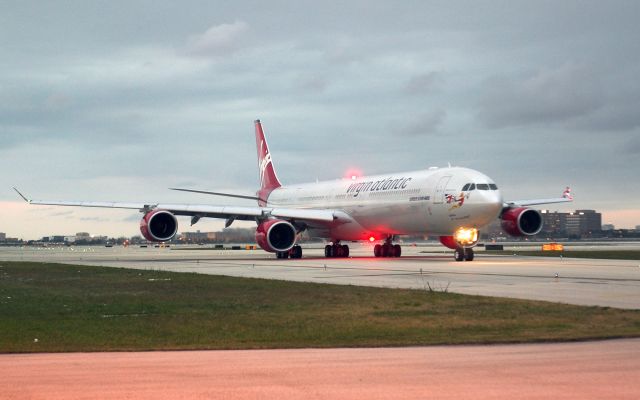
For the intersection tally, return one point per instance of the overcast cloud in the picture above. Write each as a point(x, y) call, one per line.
point(115, 100)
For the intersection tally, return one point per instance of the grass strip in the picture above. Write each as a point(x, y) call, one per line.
point(57, 308)
point(595, 254)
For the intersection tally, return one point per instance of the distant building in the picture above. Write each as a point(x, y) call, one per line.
point(553, 223)
point(3, 236)
point(198, 236)
point(584, 223)
point(83, 236)
point(580, 223)
point(637, 228)
point(608, 227)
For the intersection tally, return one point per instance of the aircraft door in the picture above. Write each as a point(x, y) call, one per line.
point(438, 195)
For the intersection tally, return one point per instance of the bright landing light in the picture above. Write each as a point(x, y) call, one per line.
point(466, 236)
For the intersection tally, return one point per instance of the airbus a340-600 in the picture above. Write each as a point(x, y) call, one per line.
point(452, 203)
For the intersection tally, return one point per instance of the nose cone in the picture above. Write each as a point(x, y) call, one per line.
point(484, 197)
point(487, 206)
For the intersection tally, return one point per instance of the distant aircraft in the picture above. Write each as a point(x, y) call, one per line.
point(452, 203)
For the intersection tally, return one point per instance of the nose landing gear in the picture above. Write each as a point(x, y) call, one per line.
point(463, 254)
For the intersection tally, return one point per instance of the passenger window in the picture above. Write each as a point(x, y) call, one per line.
point(472, 187)
point(466, 187)
point(482, 186)
point(493, 186)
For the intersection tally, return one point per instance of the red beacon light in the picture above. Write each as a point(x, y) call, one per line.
point(353, 174)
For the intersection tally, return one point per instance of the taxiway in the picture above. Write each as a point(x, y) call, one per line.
point(611, 283)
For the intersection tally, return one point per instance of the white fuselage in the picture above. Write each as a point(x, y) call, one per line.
point(416, 202)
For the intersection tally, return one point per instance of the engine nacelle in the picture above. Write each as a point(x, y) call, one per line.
point(276, 235)
point(159, 226)
point(521, 221)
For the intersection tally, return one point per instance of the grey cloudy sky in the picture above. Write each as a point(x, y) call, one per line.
point(119, 100)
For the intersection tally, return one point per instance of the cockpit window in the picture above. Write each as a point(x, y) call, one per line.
point(472, 187)
point(466, 187)
point(493, 186)
point(482, 186)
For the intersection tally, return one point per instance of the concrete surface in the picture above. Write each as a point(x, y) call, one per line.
point(612, 283)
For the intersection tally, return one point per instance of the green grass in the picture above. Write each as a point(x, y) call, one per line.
point(601, 254)
point(81, 308)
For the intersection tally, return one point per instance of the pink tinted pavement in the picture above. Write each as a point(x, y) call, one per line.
point(589, 370)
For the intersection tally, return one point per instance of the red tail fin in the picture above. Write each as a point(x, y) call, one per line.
point(268, 179)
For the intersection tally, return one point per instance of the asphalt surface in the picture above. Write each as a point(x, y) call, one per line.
point(611, 283)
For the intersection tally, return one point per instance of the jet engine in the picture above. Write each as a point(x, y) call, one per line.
point(521, 221)
point(158, 226)
point(276, 235)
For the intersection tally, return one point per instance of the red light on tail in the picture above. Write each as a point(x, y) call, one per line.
point(353, 174)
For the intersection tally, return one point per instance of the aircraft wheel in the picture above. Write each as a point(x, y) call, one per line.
point(377, 250)
point(296, 252)
point(397, 250)
point(328, 251)
point(337, 250)
point(468, 255)
point(385, 250)
point(458, 254)
point(282, 254)
point(345, 251)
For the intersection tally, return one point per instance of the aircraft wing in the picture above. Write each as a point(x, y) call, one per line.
point(566, 197)
point(203, 210)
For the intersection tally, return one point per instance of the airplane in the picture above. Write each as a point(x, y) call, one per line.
point(452, 203)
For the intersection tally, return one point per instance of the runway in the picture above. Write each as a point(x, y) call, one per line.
point(611, 283)
point(594, 370)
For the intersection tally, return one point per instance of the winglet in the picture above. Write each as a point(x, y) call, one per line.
point(21, 195)
point(567, 194)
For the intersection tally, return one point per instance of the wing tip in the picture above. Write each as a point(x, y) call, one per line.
point(21, 195)
point(567, 194)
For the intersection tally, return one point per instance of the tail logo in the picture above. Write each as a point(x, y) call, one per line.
point(264, 163)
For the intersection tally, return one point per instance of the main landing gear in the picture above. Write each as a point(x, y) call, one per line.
point(336, 250)
point(387, 249)
point(463, 254)
point(295, 252)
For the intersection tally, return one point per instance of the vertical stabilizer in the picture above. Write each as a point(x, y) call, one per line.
point(268, 179)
